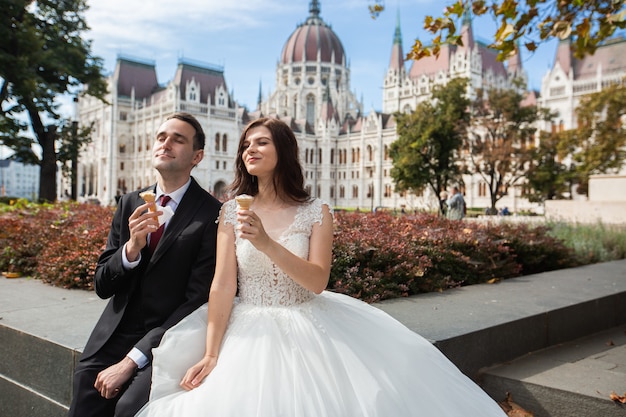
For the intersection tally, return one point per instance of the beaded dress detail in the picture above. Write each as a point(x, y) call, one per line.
point(288, 352)
point(260, 281)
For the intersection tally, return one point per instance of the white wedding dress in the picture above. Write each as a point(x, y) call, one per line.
point(288, 352)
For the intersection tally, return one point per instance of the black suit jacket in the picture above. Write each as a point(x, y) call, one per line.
point(164, 287)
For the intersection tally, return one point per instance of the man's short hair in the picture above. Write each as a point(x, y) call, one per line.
point(199, 138)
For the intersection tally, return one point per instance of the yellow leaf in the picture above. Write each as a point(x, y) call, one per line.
point(504, 32)
point(562, 29)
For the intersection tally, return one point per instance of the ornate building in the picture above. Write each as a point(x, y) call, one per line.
point(570, 78)
point(343, 151)
point(119, 157)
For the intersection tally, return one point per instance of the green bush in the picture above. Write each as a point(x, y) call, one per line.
point(592, 242)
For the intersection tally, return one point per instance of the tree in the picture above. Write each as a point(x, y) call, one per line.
point(529, 22)
point(598, 144)
point(42, 57)
point(426, 151)
point(548, 177)
point(501, 139)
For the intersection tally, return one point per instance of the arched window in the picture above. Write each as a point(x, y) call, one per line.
point(370, 153)
point(217, 142)
point(224, 143)
point(310, 109)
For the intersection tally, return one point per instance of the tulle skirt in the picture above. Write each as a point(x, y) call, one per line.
point(333, 356)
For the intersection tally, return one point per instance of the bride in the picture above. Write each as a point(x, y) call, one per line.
point(271, 342)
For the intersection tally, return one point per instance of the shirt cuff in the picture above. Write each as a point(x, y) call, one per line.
point(138, 357)
point(126, 263)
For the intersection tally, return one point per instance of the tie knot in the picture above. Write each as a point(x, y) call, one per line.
point(164, 199)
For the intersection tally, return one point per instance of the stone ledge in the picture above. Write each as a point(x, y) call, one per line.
point(43, 328)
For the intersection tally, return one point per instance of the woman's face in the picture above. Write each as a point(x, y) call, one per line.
point(259, 152)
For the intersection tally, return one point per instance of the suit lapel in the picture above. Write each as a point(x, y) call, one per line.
point(183, 215)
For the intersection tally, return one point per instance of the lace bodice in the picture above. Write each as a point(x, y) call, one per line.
point(260, 281)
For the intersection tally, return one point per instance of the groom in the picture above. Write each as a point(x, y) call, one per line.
point(149, 291)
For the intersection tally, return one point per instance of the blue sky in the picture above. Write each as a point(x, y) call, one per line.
point(246, 37)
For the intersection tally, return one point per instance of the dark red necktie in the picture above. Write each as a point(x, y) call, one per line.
point(156, 235)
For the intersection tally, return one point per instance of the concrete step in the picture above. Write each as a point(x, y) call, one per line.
point(571, 379)
point(35, 375)
point(483, 325)
point(42, 332)
point(43, 329)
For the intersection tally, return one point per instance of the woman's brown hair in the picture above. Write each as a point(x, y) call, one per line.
point(288, 179)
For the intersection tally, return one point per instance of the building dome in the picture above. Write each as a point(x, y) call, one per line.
point(313, 39)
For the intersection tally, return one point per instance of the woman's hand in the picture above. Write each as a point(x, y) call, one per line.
point(250, 227)
point(196, 374)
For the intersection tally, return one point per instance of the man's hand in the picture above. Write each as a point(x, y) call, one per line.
point(109, 382)
point(140, 223)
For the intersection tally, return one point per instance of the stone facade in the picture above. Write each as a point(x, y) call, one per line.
point(344, 152)
point(119, 157)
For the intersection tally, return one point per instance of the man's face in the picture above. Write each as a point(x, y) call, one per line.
point(173, 148)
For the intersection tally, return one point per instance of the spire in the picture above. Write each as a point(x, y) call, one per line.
point(514, 64)
point(564, 55)
point(397, 37)
point(314, 13)
point(260, 99)
point(467, 33)
point(467, 14)
point(397, 55)
point(314, 8)
point(328, 109)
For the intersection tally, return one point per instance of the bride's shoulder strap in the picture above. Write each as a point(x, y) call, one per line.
point(229, 211)
point(315, 210)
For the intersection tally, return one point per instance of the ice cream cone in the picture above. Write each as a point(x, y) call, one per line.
point(149, 197)
point(244, 201)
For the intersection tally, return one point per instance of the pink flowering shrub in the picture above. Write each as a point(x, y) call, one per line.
point(376, 256)
point(379, 256)
point(57, 243)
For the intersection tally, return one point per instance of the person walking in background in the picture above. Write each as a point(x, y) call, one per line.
point(456, 204)
point(443, 203)
point(285, 346)
point(152, 282)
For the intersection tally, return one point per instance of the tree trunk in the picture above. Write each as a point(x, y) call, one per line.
point(46, 137)
point(48, 173)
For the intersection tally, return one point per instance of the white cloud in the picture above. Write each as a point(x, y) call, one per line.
point(162, 24)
